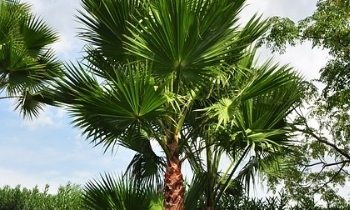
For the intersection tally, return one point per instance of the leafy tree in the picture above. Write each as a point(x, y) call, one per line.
point(26, 60)
point(322, 165)
point(327, 28)
point(169, 72)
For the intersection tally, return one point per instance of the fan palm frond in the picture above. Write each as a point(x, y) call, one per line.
point(107, 25)
point(184, 38)
point(146, 166)
point(110, 193)
point(27, 64)
point(107, 113)
point(263, 81)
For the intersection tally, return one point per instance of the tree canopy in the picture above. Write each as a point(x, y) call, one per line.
point(323, 122)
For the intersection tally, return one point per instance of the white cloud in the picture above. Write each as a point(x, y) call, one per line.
point(295, 10)
point(50, 116)
point(60, 16)
point(303, 58)
point(13, 177)
point(43, 120)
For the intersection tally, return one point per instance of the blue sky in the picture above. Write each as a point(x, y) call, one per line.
point(49, 150)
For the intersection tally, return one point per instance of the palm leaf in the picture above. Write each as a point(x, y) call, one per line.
point(28, 105)
point(145, 166)
point(252, 127)
point(184, 38)
point(255, 83)
point(109, 112)
point(183, 33)
point(27, 63)
point(106, 25)
point(262, 165)
point(110, 193)
point(196, 190)
point(37, 35)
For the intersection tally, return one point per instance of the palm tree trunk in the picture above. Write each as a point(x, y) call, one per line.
point(174, 190)
point(209, 199)
point(211, 170)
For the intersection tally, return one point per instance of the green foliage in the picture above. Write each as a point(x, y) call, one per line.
point(27, 62)
point(68, 197)
point(255, 141)
point(123, 193)
point(281, 201)
point(327, 28)
point(110, 192)
point(322, 156)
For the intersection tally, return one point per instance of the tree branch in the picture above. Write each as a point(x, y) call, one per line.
point(321, 140)
point(318, 138)
point(332, 178)
point(313, 164)
point(337, 163)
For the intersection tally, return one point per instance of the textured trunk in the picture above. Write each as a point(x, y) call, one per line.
point(174, 190)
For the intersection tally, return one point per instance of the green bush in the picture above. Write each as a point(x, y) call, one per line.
point(68, 197)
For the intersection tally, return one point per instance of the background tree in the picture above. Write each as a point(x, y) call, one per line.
point(27, 62)
point(322, 165)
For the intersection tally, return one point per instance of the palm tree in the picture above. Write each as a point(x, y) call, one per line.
point(167, 71)
point(26, 61)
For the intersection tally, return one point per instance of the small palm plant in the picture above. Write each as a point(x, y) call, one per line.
point(123, 193)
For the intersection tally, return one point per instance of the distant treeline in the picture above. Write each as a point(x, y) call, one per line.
point(70, 197)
